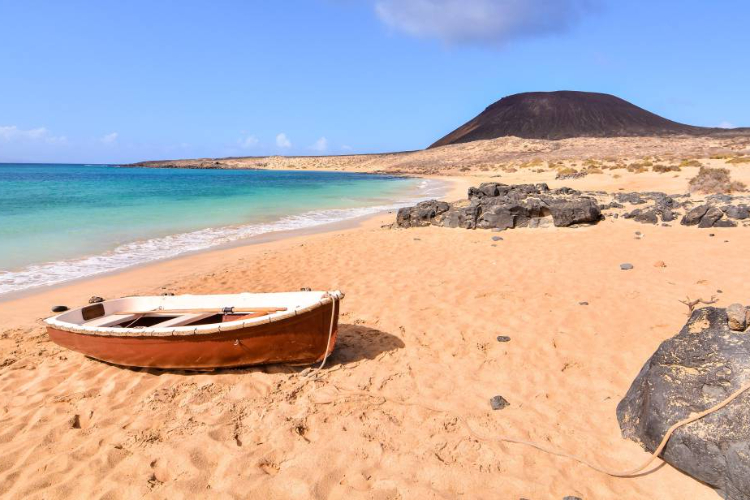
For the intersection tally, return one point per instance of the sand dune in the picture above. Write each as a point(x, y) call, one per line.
point(419, 324)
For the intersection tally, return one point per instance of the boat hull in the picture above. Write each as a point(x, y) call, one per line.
point(300, 339)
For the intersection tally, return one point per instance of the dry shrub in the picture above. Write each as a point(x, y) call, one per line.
point(638, 168)
point(591, 163)
point(690, 163)
point(594, 170)
point(533, 163)
point(714, 180)
point(566, 171)
point(739, 159)
point(663, 169)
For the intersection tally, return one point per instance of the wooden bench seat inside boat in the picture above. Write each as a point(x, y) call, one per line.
point(166, 319)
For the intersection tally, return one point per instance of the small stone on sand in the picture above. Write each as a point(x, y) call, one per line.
point(626, 267)
point(503, 338)
point(497, 238)
point(498, 403)
point(659, 263)
point(583, 303)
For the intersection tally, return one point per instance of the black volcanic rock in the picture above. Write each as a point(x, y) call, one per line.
point(566, 114)
point(500, 206)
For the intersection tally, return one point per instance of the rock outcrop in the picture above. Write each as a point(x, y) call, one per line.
point(500, 206)
point(710, 215)
point(693, 371)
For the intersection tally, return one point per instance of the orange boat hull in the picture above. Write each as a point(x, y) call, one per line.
point(300, 339)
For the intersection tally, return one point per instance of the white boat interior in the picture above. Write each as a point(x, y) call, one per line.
point(174, 314)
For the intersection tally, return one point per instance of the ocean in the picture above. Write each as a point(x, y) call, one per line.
point(63, 222)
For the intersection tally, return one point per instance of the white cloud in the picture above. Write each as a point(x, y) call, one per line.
point(283, 141)
point(11, 133)
point(320, 145)
point(726, 124)
point(109, 138)
point(248, 142)
point(481, 21)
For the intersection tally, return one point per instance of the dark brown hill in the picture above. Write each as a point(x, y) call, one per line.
point(566, 114)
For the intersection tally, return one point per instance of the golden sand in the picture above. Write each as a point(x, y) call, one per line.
point(423, 309)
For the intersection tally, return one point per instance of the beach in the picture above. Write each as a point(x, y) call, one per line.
point(419, 328)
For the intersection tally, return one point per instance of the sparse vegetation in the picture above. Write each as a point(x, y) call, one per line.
point(663, 169)
point(690, 163)
point(739, 159)
point(638, 168)
point(566, 171)
point(714, 180)
point(533, 163)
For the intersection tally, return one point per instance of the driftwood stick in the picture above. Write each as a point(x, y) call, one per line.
point(692, 303)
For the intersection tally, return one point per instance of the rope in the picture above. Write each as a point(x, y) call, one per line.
point(330, 331)
point(604, 470)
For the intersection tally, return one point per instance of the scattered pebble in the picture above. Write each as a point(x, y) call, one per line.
point(719, 291)
point(626, 267)
point(712, 235)
point(59, 309)
point(417, 239)
point(503, 338)
point(572, 498)
point(498, 403)
point(75, 422)
point(637, 233)
point(583, 303)
point(494, 245)
point(95, 300)
point(659, 263)
point(497, 238)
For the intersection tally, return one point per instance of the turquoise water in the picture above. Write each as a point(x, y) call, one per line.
point(62, 222)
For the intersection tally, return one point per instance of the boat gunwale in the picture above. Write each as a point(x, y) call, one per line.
point(189, 331)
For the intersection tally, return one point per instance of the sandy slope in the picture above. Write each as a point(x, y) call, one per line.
point(420, 321)
point(496, 154)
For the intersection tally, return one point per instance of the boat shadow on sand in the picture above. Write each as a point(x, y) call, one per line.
point(355, 343)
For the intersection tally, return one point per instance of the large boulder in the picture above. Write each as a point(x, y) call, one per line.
point(694, 216)
point(567, 212)
point(463, 217)
point(689, 373)
point(421, 214)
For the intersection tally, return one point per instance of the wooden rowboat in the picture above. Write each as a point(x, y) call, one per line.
point(203, 331)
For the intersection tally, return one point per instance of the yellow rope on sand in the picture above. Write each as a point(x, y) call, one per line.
point(598, 468)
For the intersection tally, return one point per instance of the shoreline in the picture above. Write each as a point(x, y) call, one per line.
point(448, 189)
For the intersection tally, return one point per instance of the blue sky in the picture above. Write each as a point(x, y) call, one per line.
point(114, 81)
